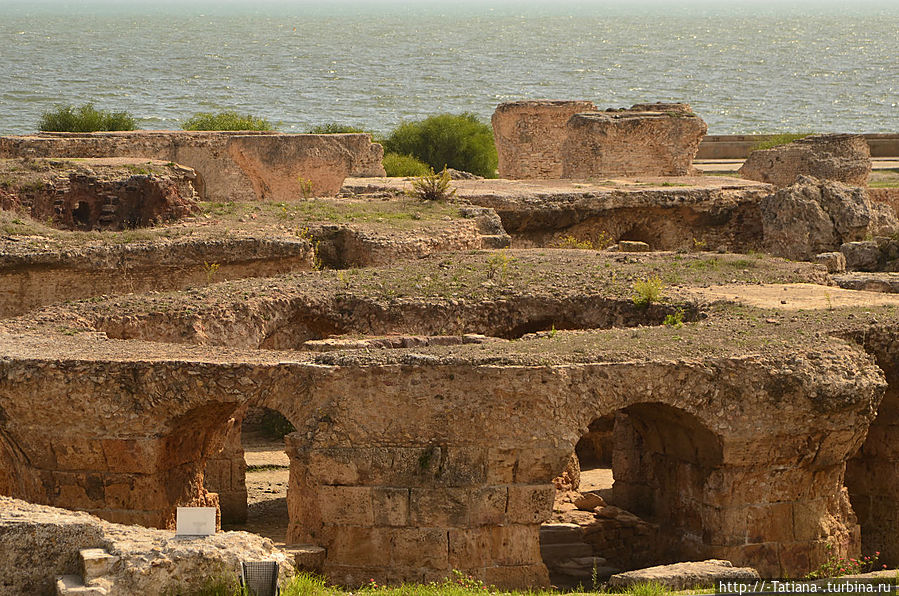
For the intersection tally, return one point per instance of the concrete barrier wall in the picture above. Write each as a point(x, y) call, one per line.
point(739, 146)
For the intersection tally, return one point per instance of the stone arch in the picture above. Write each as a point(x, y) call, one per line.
point(872, 474)
point(662, 459)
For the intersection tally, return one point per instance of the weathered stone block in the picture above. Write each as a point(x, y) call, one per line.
point(646, 140)
point(530, 504)
point(834, 261)
point(441, 507)
point(840, 157)
point(390, 506)
point(419, 547)
point(529, 136)
point(861, 256)
point(346, 505)
point(488, 505)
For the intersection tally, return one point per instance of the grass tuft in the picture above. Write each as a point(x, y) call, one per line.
point(780, 139)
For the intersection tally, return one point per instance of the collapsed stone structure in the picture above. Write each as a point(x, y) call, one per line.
point(572, 139)
point(840, 157)
point(456, 481)
point(240, 165)
point(39, 544)
point(99, 194)
point(747, 416)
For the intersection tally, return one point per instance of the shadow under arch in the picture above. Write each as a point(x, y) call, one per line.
point(661, 459)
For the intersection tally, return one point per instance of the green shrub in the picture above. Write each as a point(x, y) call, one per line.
point(333, 128)
point(457, 141)
point(86, 118)
point(227, 120)
point(778, 140)
point(433, 187)
point(404, 165)
point(648, 291)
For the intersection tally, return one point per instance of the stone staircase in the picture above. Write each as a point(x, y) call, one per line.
point(568, 558)
point(95, 566)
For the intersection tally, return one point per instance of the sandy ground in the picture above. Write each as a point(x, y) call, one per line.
point(799, 296)
point(266, 488)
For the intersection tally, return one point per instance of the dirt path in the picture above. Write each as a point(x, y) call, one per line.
point(795, 296)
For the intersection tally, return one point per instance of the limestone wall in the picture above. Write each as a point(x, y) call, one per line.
point(842, 158)
point(529, 136)
point(232, 166)
point(647, 140)
point(455, 481)
point(572, 139)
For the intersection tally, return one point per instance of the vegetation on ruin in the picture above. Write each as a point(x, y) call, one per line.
point(225, 120)
point(648, 291)
point(460, 584)
point(780, 139)
point(433, 187)
point(404, 165)
point(333, 128)
point(837, 566)
point(85, 118)
point(459, 141)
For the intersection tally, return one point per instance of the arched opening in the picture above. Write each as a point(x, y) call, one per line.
point(81, 216)
point(251, 474)
point(872, 479)
point(639, 499)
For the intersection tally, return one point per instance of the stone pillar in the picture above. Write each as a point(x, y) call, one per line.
point(529, 136)
point(415, 513)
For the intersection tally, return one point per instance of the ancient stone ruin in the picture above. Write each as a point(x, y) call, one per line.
point(540, 382)
point(840, 157)
point(241, 166)
point(572, 139)
point(98, 194)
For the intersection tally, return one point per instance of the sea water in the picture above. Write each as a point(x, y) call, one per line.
point(745, 67)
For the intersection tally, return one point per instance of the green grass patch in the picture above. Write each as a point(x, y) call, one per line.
point(85, 118)
point(780, 139)
point(226, 120)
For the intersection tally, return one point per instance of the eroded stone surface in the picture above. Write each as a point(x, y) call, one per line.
point(572, 139)
point(839, 157)
point(38, 543)
point(98, 194)
point(239, 166)
point(685, 576)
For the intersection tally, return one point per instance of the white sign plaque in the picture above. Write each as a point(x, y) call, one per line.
point(195, 521)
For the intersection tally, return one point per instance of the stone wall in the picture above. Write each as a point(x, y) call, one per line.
point(840, 157)
point(454, 482)
point(98, 194)
point(572, 139)
point(232, 166)
point(646, 140)
point(529, 136)
point(226, 474)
